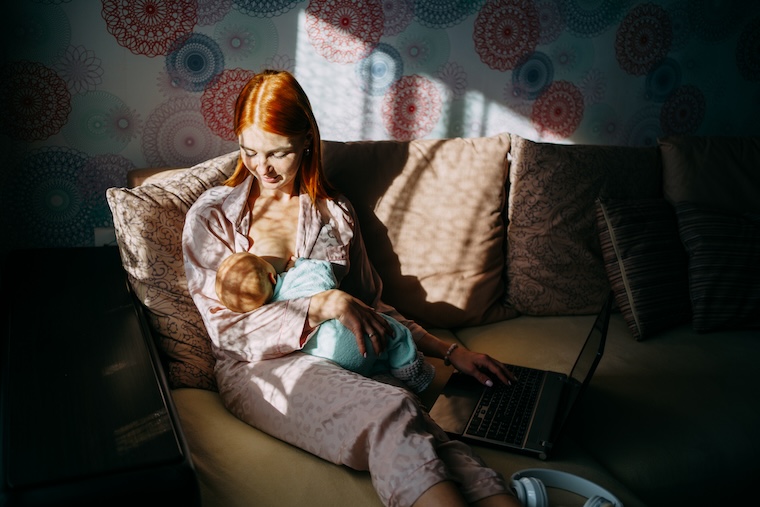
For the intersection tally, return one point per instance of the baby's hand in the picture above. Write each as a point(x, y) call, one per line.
point(291, 262)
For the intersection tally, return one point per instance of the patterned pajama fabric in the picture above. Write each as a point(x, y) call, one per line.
point(307, 401)
point(355, 421)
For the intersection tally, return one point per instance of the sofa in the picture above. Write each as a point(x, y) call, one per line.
point(509, 246)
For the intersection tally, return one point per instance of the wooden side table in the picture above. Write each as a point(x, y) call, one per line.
point(87, 418)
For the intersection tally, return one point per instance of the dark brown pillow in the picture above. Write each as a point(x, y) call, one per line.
point(724, 267)
point(645, 263)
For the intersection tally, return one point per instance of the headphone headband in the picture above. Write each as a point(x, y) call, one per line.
point(568, 482)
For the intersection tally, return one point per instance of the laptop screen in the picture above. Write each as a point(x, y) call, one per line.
point(586, 363)
point(592, 350)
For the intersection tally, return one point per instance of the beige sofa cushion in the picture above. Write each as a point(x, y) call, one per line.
point(431, 212)
point(148, 222)
point(554, 261)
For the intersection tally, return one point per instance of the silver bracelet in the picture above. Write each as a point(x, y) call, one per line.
point(446, 358)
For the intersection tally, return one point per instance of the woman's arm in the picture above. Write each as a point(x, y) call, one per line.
point(480, 366)
point(364, 282)
point(271, 331)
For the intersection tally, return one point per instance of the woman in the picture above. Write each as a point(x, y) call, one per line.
point(278, 200)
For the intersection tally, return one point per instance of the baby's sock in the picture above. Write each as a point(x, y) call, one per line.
point(417, 375)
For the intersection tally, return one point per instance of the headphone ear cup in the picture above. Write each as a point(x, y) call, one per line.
point(597, 501)
point(531, 492)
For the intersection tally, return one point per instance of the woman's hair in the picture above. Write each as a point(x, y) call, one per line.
point(275, 102)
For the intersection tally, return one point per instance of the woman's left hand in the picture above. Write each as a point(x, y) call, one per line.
point(482, 367)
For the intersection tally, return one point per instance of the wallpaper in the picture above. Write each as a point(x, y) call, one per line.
point(92, 88)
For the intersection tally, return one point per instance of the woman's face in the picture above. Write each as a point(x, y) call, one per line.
point(272, 158)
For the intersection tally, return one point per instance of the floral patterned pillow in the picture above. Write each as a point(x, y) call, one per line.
point(554, 259)
point(148, 222)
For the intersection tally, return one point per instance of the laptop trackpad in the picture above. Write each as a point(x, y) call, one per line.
point(453, 408)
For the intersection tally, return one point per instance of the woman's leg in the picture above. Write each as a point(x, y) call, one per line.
point(340, 416)
point(477, 483)
point(351, 420)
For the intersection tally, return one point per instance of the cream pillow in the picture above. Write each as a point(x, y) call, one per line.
point(431, 212)
point(148, 222)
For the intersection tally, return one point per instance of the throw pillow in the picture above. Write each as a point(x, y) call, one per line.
point(554, 260)
point(715, 171)
point(645, 263)
point(431, 213)
point(148, 222)
point(724, 267)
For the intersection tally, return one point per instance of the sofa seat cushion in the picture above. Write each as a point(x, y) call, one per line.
point(554, 261)
point(238, 465)
point(431, 213)
point(674, 418)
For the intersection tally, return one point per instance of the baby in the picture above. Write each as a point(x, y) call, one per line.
point(245, 281)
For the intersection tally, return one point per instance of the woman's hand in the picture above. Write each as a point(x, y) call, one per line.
point(482, 367)
point(359, 318)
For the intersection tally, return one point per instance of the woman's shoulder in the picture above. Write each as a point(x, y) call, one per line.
point(343, 202)
point(212, 197)
point(339, 207)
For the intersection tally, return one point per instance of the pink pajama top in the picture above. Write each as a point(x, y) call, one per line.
point(218, 224)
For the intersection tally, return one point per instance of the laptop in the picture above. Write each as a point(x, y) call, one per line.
point(541, 401)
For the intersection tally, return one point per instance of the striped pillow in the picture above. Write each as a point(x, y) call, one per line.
point(645, 263)
point(724, 267)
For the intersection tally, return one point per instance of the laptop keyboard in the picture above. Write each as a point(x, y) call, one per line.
point(503, 413)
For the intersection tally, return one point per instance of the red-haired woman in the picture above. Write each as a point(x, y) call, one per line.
point(278, 197)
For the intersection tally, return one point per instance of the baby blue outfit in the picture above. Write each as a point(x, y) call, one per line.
point(333, 341)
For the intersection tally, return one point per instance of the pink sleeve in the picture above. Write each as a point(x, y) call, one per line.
point(273, 330)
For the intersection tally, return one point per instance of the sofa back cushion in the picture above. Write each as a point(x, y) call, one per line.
point(718, 172)
point(148, 222)
point(554, 261)
point(645, 263)
point(432, 218)
point(714, 184)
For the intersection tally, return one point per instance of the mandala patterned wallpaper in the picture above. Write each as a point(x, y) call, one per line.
point(94, 88)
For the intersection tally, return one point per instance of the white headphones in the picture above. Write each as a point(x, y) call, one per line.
point(530, 488)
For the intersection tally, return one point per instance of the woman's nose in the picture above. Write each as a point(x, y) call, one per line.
point(260, 161)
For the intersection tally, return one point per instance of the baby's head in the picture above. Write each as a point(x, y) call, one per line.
point(244, 282)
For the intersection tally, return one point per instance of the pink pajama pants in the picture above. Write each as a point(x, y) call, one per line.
point(351, 420)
